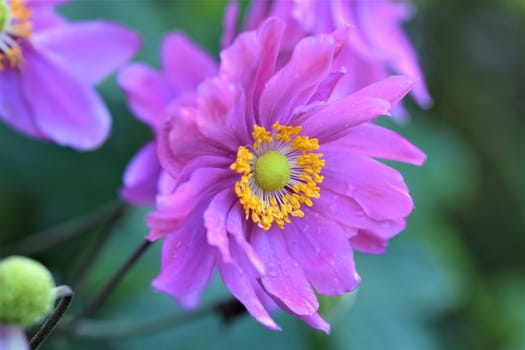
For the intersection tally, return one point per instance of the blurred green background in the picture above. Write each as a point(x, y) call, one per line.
point(455, 279)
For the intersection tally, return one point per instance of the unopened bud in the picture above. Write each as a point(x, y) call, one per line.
point(26, 291)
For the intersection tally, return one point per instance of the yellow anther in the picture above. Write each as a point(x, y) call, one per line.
point(260, 135)
point(15, 26)
point(264, 203)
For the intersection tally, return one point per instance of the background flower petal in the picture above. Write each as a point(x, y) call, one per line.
point(90, 50)
point(147, 91)
point(185, 64)
point(66, 110)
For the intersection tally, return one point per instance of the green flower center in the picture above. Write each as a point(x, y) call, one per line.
point(272, 171)
point(4, 15)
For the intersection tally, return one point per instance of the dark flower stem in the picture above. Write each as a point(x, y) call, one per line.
point(65, 294)
point(228, 310)
point(95, 304)
point(101, 239)
point(65, 231)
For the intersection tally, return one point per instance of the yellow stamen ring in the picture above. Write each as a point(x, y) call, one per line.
point(278, 176)
point(15, 25)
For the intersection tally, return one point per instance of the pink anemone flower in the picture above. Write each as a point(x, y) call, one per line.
point(276, 184)
point(48, 69)
point(151, 95)
point(377, 45)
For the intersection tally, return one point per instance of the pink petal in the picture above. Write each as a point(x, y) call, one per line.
point(173, 208)
point(184, 63)
point(242, 285)
point(65, 110)
point(215, 223)
point(221, 114)
point(284, 278)
point(187, 262)
point(297, 81)
point(147, 91)
point(181, 141)
point(364, 105)
point(367, 242)
point(236, 226)
point(332, 121)
point(90, 50)
point(321, 247)
point(142, 176)
point(391, 89)
point(349, 214)
point(379, 189)
point(375, 141)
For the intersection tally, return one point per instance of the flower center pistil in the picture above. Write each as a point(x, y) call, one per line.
point(272, 171)
point(15, 26)
point(279, 174)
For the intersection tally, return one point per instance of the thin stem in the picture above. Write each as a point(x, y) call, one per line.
point(101, 239)
point(228, 310)
point(65, 294)
point(64, 231)
point(95, 304)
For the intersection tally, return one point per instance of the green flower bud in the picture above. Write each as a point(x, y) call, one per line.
point(26, 291)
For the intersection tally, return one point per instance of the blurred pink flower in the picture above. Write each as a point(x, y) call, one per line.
point(151, 95)
point(275, 183)
point(377, 44)
point(48, 69)
point(13, 338)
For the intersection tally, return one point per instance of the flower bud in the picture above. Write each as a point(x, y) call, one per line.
point(26, 291)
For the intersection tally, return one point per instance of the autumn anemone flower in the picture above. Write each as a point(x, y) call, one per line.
point(276, 183)
point(48, 69)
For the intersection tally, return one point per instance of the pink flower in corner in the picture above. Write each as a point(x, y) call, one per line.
point(13, 338)
point(276, 183)
point(377, 44)
point(48, 69)
point(151, 95)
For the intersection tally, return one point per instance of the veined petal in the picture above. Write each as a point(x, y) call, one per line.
point(284, 278)
point(367, 242)
point(65, 110)
point(180, 141)
point(379, 189)
point(90, 50)
point(322, 249)
point(215, 223)
point(141, 177)
point(348, 213)
point(187, 262)
point(375, 141)
point(297, 81)
point(184, 63)
point(332, 121)
point(391, 89)
point(243, 286)
point(173, 208)
point(237, 227)
point(147, 91)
